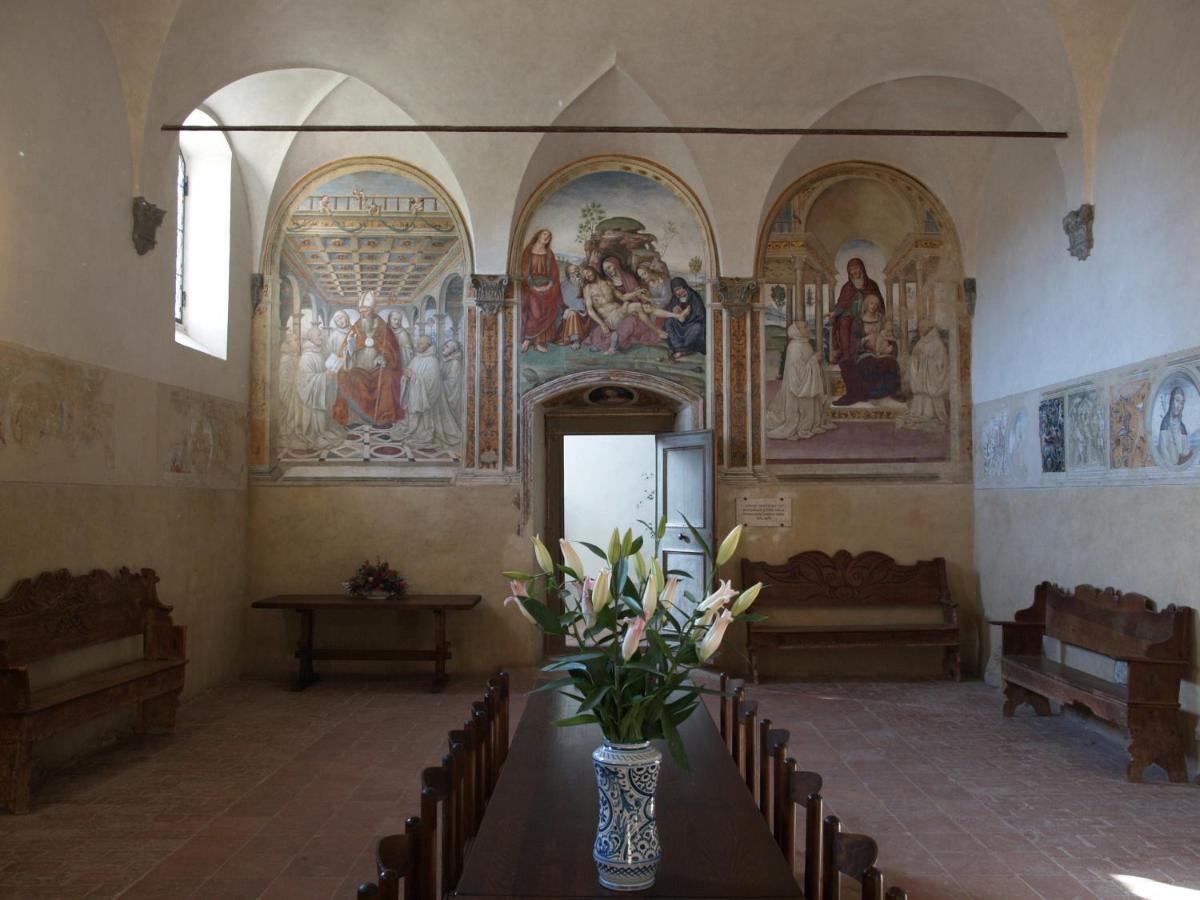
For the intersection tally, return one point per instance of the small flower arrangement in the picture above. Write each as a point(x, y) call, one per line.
point(637, 645)
point(377, 577)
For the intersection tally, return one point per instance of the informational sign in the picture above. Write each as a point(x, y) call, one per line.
point(765, 512)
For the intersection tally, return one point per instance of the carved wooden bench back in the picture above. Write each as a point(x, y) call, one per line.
point(1112, 623)
point(57, 612)
point(868, 579)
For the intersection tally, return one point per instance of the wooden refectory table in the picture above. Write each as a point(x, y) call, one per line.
point(308, 604)
point(536, 837)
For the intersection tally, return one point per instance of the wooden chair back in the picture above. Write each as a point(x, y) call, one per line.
point(435, 792)
point(481, 722)
point(773, 751)
point(500, 687)
point(852, 855)
point(1114, 623)
point(803, 789)
point(395, 862)
point(728, 707)
point(747, 745)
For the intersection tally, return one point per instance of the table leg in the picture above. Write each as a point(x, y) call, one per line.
point(304, 650)
point(441, 648)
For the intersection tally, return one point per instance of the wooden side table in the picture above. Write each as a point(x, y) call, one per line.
point(308, 604)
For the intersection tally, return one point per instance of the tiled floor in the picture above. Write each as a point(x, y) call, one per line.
point(266, 793)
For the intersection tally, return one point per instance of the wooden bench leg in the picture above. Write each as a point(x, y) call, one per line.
point(1154, 739)
point(753, 663)
point(14, 775)
point(1015, 695)
point(952, 662)
point(157, 715)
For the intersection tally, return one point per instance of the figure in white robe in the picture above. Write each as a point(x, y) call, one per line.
point(429, 422)
point(801, 408)
point(929, 380)
point(335, 340)
point(289, 359)
point(311, 429)
point(452, 377)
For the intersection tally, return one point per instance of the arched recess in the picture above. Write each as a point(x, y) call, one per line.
point(874, 387)
point(683, 406)
point(384, 227)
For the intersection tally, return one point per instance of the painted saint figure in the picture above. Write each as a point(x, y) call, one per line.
point(929, 379)
point(541, 296)
point(617, 327)
point(800, 409)
point(452, 376)
point(870, 374)
point(625, 283)
point(575, 322)
point(429, 422)
point(846, 315)
point(311, 419)
point(370, 383)
point(685, 331)
point(399, 326)
point(1174, 444)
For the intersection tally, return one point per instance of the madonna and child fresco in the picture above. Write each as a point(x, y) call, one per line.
point(609, 276)
point(859, 371)
point(370, 362)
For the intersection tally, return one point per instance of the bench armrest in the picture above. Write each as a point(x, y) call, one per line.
point(14, 690)
point(1021, 638)
point(1012, 624)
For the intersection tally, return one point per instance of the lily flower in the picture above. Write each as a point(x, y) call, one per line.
point(748, 596)
point(518, 591)
point(649, 599)
point(729, 545)
point(633, 636)
point(668, 595)
point(571, 558)
point(722, 595)
point(712, 639)
point(600, 592)
point(545, 560)
point(585, 603)
point(659, 578)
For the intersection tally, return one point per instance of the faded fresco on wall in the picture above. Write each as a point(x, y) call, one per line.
point(1050, 434)
point(612, 271)
point(861, 276)
point(1086, 430)
point(1128, 447)
point(1174, 420)
point(201, 439)
point(368, 360)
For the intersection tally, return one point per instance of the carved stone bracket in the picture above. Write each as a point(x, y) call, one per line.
point(737, 295)
point(146, 219)
point(489, 292)
point(1078, 226)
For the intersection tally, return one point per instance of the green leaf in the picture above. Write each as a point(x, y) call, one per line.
point(750, 617)
point(517, 576)
point(582, 719)
point(636, 545)
point(699, 538)
point(546, 620)
point(600, 553)
point(553, 685)
point(674, 744)
point(591, 701)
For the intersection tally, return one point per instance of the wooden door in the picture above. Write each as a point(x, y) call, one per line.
point(685, 494)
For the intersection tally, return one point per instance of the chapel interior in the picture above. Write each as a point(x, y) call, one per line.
point(902, 289)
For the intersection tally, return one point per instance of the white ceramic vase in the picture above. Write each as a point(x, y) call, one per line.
point(626, 849)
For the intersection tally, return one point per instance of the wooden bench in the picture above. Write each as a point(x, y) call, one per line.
point(1125, 627)
point(58, 612)
point(816, 580)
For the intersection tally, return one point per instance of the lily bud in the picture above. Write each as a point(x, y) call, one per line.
point(649, 599)
point(518, 591)
point(633, 637)
point(729, 545)
point(668, 595)
point(614, 547)
point(639, 564)
point(660, 580)
point(543, 555)
point(748, 596)
point(600, 592)
point(712, 639)
point(571, 558)
point(585, 603)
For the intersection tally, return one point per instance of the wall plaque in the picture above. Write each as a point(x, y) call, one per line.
point(768, 512)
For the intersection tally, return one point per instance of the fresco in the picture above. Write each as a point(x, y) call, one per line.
point(860, 283)
point(1173, 420)
point(369, 359)
point(1128, 447)
point(1086, 431)
point(1050, 433)
point(612, 274)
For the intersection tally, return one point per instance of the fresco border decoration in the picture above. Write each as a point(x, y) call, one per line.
point(883, 389)
point(1135, 405)
point(390, 230)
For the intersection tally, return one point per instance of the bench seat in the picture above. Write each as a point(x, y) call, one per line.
point(915, 634)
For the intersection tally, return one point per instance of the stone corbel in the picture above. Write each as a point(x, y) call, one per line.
point(737, 295)
point(146, 219)
point(1078, 226)
point(489, 292)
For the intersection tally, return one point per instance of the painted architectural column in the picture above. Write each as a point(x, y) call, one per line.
point(488, 354)
point(741, 373)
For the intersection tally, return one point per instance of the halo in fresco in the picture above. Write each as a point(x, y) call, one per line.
point(369, 361)
point(612, 274)
point(1173, 420)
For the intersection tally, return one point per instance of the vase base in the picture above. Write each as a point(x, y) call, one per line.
point(627, 878)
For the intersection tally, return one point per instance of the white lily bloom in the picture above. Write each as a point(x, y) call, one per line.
point(600, 592)
point(668, 595)
point(722, 595)
point(712, 639)
point(633, 637)
point(649, 599)
point(571, 558)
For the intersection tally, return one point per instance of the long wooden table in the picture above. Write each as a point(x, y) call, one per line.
point(536, 837)
point(308, 604)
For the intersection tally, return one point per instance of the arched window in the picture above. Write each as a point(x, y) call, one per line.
point(203, 230)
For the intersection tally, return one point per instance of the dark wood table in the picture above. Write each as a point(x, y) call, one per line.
point(308, 604)
point(536, 837)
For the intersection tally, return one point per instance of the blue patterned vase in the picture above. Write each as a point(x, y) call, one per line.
point(626, 849)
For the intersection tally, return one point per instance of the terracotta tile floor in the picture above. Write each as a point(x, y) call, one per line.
point(265, 793)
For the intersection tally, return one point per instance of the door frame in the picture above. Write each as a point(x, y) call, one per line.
point(559, 424)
